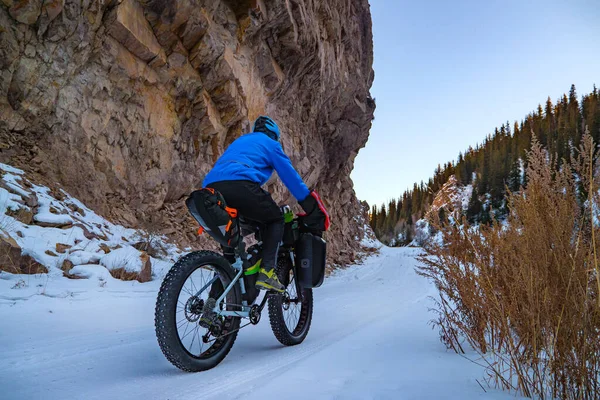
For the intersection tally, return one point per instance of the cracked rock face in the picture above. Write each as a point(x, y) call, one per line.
point(127, 104)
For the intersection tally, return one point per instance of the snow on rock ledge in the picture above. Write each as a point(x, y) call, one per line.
point(128, 263)
point(67, 238)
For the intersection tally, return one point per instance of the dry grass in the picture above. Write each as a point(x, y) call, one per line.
point(526, 294)
point(122, 274)
point(13, 262)
point(149, 239)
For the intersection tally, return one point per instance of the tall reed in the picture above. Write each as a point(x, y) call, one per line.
point(525, 293)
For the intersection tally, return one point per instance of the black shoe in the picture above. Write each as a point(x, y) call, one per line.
point(268, 280)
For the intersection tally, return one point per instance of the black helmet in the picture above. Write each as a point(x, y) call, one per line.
point(267, 126)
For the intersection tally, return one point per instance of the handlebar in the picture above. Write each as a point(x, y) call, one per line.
point(289, 217)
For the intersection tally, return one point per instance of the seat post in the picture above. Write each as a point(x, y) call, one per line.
point(240, 251)
point(228, 253)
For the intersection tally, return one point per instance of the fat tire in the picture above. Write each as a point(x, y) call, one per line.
point(165, 313)
point(276, 317)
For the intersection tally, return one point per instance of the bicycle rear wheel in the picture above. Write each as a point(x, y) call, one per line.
point(182, 294)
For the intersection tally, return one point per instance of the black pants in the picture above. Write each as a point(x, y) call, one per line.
point(256, 204)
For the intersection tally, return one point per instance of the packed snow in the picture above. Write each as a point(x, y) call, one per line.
point(369, 339)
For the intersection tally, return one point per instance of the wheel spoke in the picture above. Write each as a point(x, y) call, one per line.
point(193, 337)
point(179, 325)
point(287, 321)
point(186, 290)
point(291, 315)
point(202, 275)
point(296, 315)
point(191, 330)
point(201, 345)
point(186, 331)
point(193, 286)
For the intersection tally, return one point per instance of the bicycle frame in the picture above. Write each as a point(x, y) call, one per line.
point(245, 312)
point(238, 266)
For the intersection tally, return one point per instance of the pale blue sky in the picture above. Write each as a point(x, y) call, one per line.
point(448, 72)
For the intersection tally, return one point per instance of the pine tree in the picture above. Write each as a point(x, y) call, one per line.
point(390, 223)
point(373, 219)
point(574, 116)
point(514, 177)
point(474, 208)
point(483, 179)
point(381, 217)
point(484, 216)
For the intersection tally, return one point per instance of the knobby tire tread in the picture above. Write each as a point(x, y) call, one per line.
point(166, 333)
point(277, 319)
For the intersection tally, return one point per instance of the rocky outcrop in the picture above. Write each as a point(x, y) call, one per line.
point(127, 104)
point(453, 198)
point(14, 261)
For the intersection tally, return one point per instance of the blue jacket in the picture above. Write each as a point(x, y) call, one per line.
point(253, 157)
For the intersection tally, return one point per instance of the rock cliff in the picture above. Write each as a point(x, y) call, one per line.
point(126, 104)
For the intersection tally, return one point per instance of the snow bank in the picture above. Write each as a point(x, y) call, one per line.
point(369, 239)
point(90, 271)
point(8, 201)
point(126, 257)
point(53, 228)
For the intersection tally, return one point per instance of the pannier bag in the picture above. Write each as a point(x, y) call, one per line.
point(208, 207)
point(310, 260)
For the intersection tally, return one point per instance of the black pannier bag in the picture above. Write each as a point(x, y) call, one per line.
point(208, 207)
point(310, 260)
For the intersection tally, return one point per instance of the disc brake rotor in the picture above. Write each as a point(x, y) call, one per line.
point(193, 308)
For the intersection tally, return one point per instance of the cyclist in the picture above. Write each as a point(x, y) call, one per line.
point(238, 175)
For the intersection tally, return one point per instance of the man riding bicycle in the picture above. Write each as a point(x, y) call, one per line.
point(238, 175)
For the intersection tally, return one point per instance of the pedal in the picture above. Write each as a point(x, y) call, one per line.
point(255, 314)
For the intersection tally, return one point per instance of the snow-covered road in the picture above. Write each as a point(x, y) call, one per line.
point(369, 339)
